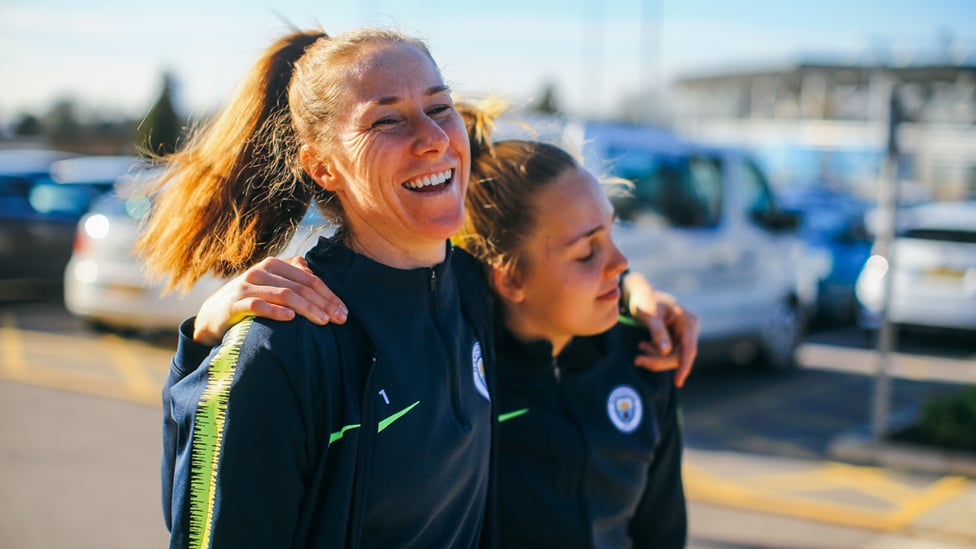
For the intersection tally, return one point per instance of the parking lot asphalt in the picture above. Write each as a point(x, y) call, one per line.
point(80, 417)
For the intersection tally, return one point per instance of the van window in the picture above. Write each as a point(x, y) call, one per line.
point(756, 196)
point(686, 191)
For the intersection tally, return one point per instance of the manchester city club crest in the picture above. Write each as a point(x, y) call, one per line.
point(478, 367)
point(625, 408)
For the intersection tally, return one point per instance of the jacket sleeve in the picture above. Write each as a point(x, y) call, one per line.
point(189, 355)
point(661, 520)
point(241, 456)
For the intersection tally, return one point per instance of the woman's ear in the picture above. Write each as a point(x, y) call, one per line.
point(317, 170)
point(508, 283)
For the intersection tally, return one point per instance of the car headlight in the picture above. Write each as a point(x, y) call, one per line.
point(97, 226)
point(870, 283)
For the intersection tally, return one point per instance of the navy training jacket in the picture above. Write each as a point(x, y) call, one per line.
point(374, 433)
point(590, 445)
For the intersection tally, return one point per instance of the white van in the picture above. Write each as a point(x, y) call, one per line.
point(702, 223)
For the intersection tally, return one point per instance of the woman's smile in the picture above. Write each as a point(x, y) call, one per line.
point(430, 183)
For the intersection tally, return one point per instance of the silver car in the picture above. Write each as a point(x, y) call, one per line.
point(42, 196)
point(105, 285)
point(933, 270)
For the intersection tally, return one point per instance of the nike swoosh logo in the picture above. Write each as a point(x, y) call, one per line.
point(502, 418)
point(390, 419)
point(384, 423)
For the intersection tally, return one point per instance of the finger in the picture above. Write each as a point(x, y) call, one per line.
point(285, 284)
point(664, 298)
point(264, 309)
point(649, 348)
point(685, 361)
point(314, 289)
point(656, 363)
point(689, 350)
point(659, 332)
point(300, 262)
point(272, 297)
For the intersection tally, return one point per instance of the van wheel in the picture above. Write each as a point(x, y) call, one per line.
point(98, 326)
point(780, 337)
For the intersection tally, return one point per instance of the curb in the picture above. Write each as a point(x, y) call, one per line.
point(862, 449)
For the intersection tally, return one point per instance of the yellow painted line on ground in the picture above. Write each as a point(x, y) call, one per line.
point(128, 363)
point(81, 382)
point(133, 386)
point(872, 481)
point(943, 490)
point(744, 492)
point(13, 348)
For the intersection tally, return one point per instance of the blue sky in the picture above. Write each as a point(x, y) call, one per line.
point(110, 54)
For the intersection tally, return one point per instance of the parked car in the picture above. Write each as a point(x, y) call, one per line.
point(932, 268)
point(30, 163)
point(833, 223)
point(703, 224)
point(39, 209)
point(105, 285)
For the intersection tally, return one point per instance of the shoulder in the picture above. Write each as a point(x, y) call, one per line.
point(304, 350)
point(625, 333)
point(619, 342)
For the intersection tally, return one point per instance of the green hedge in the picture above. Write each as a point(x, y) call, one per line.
point(947, 420)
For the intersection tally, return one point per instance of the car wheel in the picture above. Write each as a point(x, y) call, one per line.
point(98, 326)
point(780, 336)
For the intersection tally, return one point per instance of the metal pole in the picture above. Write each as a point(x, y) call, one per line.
point(880, 407)
point(592, 56)
point(650, 54)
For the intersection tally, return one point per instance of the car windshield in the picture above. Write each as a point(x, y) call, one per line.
point(55, 198)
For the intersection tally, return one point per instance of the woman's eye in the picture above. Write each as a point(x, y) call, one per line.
point(384, 123)
point(439, 109)
point(588, 257)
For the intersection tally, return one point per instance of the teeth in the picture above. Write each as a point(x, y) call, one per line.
point(429, 180)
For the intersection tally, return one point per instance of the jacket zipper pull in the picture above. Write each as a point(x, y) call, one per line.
point(557, 373)
point(433, 280)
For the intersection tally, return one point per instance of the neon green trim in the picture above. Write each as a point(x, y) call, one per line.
point(502, 418)
point(208, 435)
point(379, 428)
point(629, 321)
point(338, 434)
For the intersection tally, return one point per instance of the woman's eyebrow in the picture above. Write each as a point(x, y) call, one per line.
point(433, 90)
point(591, 232)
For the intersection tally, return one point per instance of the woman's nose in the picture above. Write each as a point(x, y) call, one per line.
point(429, 136)
point(618, 262)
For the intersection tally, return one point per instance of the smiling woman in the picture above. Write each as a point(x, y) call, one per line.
point(400, 133)
point(376, 432)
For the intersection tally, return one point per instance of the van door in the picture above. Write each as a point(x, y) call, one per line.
point(676, 229)
point(765, 246)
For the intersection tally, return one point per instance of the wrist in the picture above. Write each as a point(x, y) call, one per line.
point(623, 306)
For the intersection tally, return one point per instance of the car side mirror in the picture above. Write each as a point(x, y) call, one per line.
point(778, 221)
